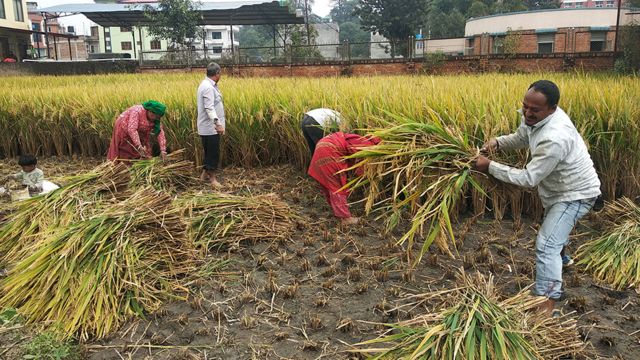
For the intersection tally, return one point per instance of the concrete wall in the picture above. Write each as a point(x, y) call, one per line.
point(543, 19)
point(10, 21)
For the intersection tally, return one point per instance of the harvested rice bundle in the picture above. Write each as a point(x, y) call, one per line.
point(171, 175)
point(421, 167)
point(613, 256)
point(78, 198)
point(472, 321)
point(88, 277)
point(220, 220)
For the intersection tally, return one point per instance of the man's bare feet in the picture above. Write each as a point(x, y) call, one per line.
point(547, 307)
point(215, 185)
point(349, 221)
point(204, 176)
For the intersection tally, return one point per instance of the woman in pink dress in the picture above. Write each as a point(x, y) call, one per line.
point(132, 132)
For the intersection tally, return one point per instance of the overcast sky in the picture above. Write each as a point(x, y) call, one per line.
point(82, 24)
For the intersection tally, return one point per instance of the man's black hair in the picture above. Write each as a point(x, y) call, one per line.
point(26, 160)
point(549, 89)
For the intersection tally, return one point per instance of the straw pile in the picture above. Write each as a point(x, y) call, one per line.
point(472, 321)
point(224, 221)
point(171, 175)
point(89, 276)
point(613, 255)
point(78, 198)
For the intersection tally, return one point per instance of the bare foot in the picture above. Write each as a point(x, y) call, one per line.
point(215, 185)
point(547, 307)
point(204, 176)
point(349, 221)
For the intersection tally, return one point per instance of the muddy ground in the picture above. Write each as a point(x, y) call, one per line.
point(326, 287)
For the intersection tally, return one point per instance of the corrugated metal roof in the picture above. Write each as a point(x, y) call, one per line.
point(252, 12)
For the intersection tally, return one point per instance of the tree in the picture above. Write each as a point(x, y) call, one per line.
point(352, 32)
point(350, 27)
point(396, 20)
point(477, 9)
point(542, 4)
point(343, 11)
point(175, 20)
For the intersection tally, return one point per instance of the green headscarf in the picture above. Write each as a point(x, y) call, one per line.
point(157, 108)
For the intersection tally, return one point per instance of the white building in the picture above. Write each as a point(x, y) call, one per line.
point(217, 41)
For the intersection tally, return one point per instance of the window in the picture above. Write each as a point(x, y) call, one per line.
point(579, 4)
point(545, 43)
point(125, 29)
point(216, 35)
point(598, 41)
point(470, 46)
point(94, 31)
point(17, 10)
point(217, 49)
point(498, 44)
point(126, 45)
point(611, 3)
point(36, 37)
point(599, 4)
point(92, 49)
point(156, 45)
point(2, 13)
point(71, 29)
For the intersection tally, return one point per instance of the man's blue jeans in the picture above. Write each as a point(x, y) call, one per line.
point(553, 235)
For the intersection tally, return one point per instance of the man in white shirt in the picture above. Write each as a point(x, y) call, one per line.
point(317, 123)
point(560, 167)
point(211, 122)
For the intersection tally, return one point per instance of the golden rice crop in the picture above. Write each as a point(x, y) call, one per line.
point(87, 277)
point(613, 255)
point(420, 167)
point(171, 175)
point(264, 115)
point(472, 321)
point(78, 197)
point(219, 220)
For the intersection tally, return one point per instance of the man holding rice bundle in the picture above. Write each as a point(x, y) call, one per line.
point(328, 166)
point(560, 167)
point(133, 129)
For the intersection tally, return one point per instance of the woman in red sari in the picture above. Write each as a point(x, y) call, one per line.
point(132, 132)
point(328, 165)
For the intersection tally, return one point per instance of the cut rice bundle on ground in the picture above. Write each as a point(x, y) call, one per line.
point(223, 221)
point(171, 175)
point(79, 197)
point(613, 255)
point(473, 321)
point(88, 277)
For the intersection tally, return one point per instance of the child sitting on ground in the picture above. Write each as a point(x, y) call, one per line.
point(31, 176)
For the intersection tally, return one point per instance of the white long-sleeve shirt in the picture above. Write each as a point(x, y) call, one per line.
point(560, 165)
point(210, 108)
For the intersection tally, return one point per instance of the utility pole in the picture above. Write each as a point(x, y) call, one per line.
point(306, 20)
point(615, 43)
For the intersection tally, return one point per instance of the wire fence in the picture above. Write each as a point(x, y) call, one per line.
point(314, 53)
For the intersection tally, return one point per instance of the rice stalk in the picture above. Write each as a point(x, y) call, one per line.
point(613, 255)
point(421, 168)
point(219, 220)
point(472, 321)
point(75, 200)
point(86, 278)
point(171, 175)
